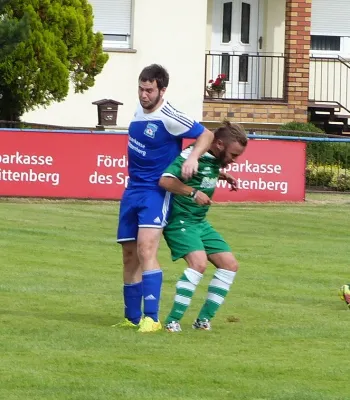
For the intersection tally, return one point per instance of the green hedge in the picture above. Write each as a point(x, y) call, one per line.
point(321, 153)
point(327, 177)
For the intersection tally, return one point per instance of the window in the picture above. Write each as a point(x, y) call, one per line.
point(245, 23)
point(226, 22)
point(225, 65)
point(113, 19)
point(325, 43)
point(243, 68)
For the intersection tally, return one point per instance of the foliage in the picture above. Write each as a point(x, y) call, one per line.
point(219, 84)
point(322, 153)
point(317, 176)
point(327, 177)
point(341, 182)
point(11, 31)
point(59, 47)
point(340, 154)
point(301, 127)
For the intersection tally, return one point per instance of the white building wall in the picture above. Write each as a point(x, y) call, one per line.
point(274, 26)
point(166, 32)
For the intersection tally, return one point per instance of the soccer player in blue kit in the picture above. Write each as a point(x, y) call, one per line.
point(155, 140)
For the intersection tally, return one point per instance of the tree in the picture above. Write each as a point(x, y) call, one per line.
point(60, 47)
point(11, 31)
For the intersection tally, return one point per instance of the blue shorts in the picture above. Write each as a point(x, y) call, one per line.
point(142, 208)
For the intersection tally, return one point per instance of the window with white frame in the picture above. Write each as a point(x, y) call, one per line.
point(325, 43)
point(113, 19)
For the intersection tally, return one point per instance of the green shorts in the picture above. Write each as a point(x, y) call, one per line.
point(183, 237)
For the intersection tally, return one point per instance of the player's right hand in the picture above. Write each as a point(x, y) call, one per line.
point(202, 199)
point(189, 168)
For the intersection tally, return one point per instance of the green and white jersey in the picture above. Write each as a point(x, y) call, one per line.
point(205, 181)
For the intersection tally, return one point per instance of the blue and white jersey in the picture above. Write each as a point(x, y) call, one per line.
point(155, 140)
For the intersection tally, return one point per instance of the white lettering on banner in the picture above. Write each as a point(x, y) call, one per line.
point(246, 166)
point(7, 175)
point(100, 179)
point(97, 178)
point(256, 184)
point(25, 159)
point(107, 161)
point(122, 179)
point(259, 184)
point(110, 162)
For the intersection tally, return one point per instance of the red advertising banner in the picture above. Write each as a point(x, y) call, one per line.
point(94, 166)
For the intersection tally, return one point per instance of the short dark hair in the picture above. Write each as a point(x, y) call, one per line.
point(231, 133)
point(155, 72)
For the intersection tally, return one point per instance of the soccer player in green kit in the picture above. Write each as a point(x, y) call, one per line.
point(190, 236)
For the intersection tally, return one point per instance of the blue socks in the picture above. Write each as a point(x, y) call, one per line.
point(152, 285)
point(132, 302)
point(149, 289)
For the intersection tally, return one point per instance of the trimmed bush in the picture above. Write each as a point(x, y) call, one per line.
point(327, 177)
point(319, 175)
point(341, 182)
point(301, 127)
point(321, 153)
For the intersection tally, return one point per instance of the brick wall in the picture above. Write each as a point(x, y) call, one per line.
point(297, 53)
point(251, 112)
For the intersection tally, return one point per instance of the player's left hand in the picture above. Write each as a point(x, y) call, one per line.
point(189, 168)
point(232, 182)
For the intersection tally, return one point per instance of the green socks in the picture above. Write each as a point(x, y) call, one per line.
point(217, 291)
point(185, 288)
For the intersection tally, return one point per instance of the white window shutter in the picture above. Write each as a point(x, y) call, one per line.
point(330, 18)
point(112, 17)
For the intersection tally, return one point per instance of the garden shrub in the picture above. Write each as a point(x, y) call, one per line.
point(321, 153)
point(328, 177)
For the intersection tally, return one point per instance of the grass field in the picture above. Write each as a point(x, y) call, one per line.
point(61, 288)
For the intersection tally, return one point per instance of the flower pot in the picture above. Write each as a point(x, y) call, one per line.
point(215, 94)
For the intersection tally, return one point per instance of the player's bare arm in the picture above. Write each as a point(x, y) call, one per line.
point(174, 185)
point(202, 144)
point(224, 176)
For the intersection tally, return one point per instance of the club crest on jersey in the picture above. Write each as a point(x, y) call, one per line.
point(150, 130)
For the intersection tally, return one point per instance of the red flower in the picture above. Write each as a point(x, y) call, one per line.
point(219, 83)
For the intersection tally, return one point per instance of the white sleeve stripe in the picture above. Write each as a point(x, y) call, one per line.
point(187, 125)
point(169, 174)
point(178, 114)
point(170, 106)
point(183, 120)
